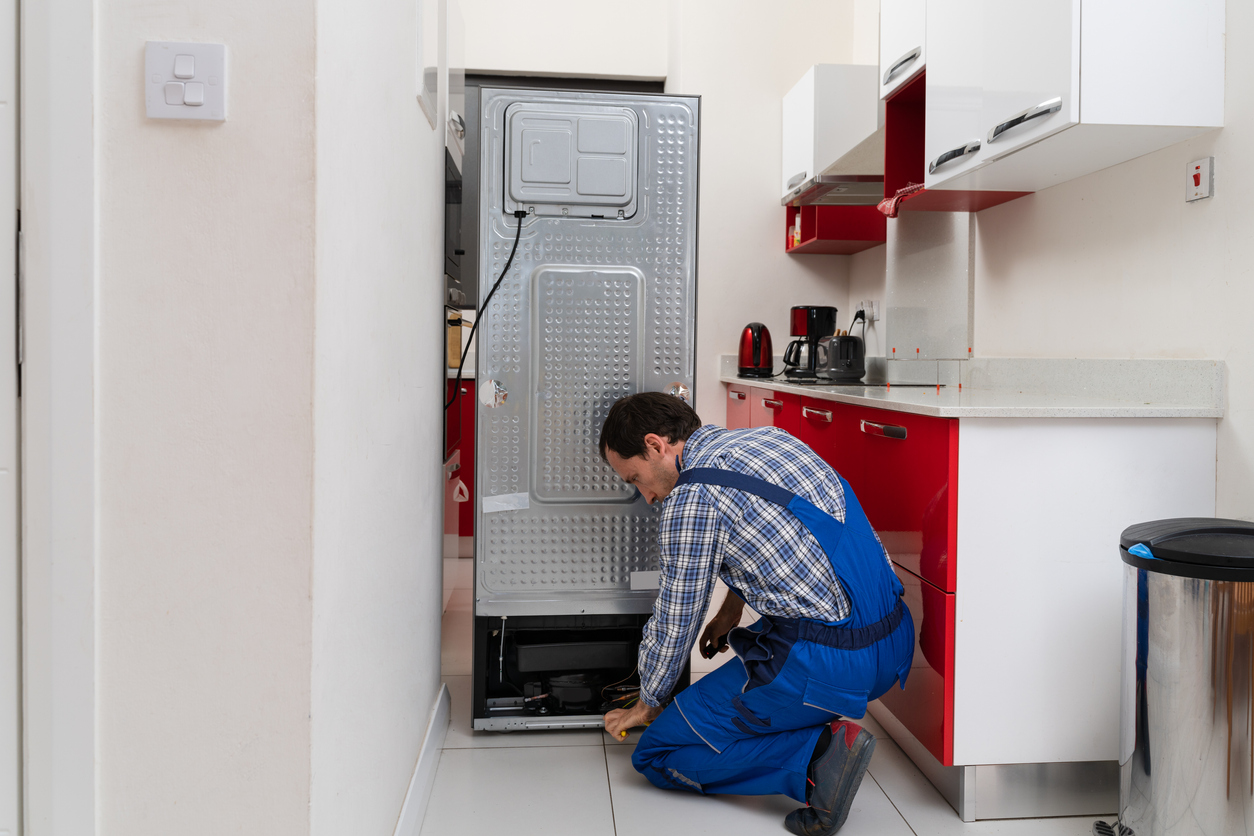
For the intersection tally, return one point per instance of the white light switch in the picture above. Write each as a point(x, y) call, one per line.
point(1199, 179)
point(185, 80)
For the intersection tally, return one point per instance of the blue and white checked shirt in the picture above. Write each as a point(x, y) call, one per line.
point(760, 548)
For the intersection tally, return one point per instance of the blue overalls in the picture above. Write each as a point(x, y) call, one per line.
point(750, 727)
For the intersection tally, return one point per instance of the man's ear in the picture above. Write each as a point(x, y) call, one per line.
point(653, 443)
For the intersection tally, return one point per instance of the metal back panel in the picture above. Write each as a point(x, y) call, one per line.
point(596, 306)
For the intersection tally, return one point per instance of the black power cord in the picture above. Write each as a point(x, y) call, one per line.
point(457, 386)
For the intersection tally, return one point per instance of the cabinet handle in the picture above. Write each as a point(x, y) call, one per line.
point(772, 404)
point(956, 154)
point(796, 179)
point(733, 395)
point(821, 414)
point(1043, 109)
point(902, 62)
point(883, 430)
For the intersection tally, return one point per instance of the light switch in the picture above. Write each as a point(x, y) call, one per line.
point(1199, 179)
point(168, 91)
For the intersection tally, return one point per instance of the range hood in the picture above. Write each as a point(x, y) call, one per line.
point(837, 190)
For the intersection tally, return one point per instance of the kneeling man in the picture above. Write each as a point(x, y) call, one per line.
point(784, 531)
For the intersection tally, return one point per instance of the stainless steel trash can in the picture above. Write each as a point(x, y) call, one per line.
point(1186, 736)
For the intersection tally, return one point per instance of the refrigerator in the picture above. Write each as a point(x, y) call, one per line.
point(599, 302)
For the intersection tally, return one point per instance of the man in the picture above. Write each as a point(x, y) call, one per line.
point(760, 510)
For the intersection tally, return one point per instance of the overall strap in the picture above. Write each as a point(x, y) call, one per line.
point(739, 481)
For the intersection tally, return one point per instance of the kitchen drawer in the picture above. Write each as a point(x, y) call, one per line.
point(926, 705)
point(768, 408)
point(738, 409)
point(829, 429)
point(908, 487)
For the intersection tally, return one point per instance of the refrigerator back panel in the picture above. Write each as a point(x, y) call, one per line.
point(596, 305)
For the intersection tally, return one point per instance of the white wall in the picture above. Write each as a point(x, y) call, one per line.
point(741, 57)
point(378, 410)
point(566, 37)
point(232, 415)
point(59, 490)
point(205, 396)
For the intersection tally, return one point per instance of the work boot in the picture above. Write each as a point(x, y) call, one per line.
point(834, 781)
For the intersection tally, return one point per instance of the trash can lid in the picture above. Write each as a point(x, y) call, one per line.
point(1193, 547)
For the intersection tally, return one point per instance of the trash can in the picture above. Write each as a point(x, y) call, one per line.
point(1186, 737)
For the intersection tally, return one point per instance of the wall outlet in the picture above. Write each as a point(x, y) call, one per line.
point(871, 309)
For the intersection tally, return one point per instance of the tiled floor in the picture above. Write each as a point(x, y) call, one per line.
point(582, 782)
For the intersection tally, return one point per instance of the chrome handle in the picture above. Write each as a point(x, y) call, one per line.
point(772, 404)
point(902, 62)
point(957, 153)
point(678, 390)
point(796, 179)
point(733, 395)
point(1043, 109)
point(883, 430)
point(822, 414)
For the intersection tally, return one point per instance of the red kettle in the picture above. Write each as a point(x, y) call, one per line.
point(757, 358)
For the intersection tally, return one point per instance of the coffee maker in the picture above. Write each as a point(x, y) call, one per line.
point(811, 323)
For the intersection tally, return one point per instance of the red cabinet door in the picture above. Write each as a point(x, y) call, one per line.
point(738, 408)
point(926, 705)
point(768, 408)
point(908, 486)
point(460, 423)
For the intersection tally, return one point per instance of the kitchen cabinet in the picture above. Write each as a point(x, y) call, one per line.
point(831, 121)
point(903, 43)
point(835, 230)
point(903, 470)
point(1022, 96)
point(460, 430)
point(1001, 514)
point(906, 116)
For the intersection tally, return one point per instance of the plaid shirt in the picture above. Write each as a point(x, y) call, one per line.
point(757, 547)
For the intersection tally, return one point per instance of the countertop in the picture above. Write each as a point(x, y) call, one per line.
point(1013, 388)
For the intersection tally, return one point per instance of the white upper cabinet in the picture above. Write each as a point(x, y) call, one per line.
point(1030, 72)
point(1021, 96)
point(955, 97)
point(903, 42)
point(831, 125)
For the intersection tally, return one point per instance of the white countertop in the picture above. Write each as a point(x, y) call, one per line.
point(1040, 389)
point(468, 373)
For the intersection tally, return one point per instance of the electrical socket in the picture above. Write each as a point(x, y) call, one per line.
point(870, 309)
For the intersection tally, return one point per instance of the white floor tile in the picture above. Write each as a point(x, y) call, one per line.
point(464, 574)
point(928, 814)
point(462, 736)
point(532, 790)
point(869, 723)
point(641, 809)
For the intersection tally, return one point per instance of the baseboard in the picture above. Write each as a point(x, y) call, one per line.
point(419, 793)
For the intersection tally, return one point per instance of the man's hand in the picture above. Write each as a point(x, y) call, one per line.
point(714, 637)
point(621, 719)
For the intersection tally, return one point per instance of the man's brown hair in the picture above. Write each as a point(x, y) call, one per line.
point(635, 416)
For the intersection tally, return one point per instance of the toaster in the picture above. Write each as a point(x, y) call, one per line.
point(841, 359)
